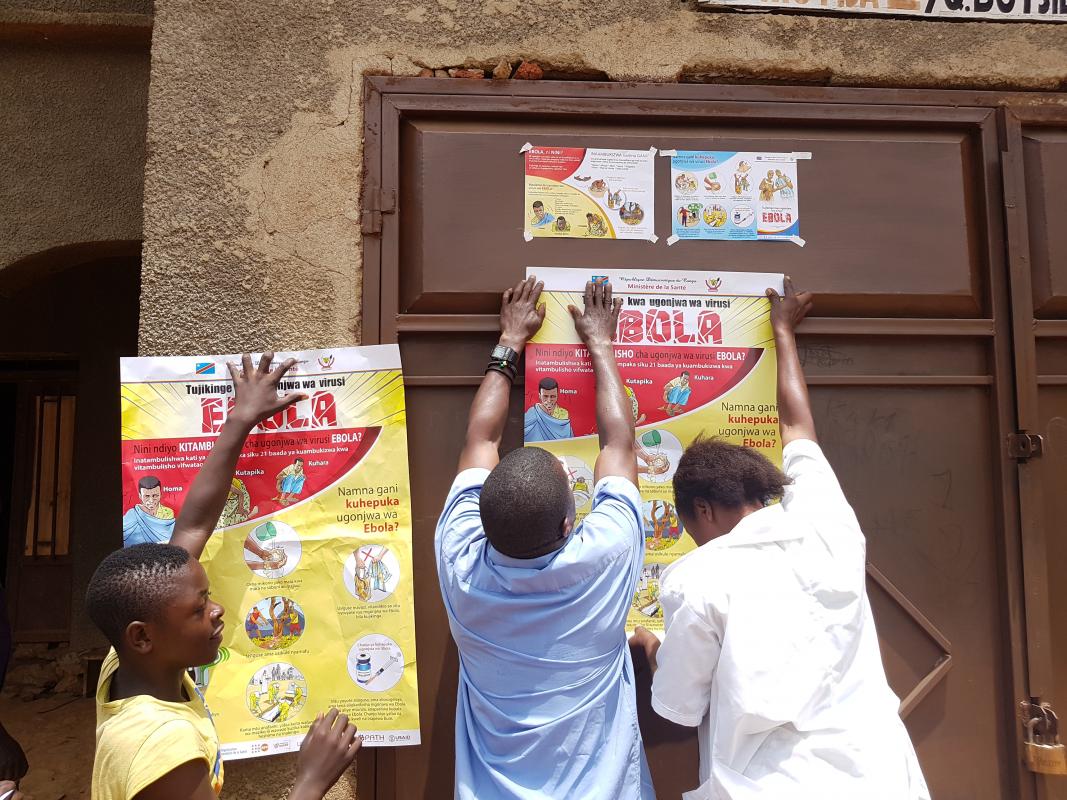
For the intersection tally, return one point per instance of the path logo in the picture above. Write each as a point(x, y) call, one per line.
point(600, 280)
point(326, 362)
point(713, 284)
point(205, 368)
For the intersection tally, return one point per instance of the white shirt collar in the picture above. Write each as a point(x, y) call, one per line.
point(761, 527)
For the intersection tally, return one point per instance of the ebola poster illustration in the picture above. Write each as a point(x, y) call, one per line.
point(586, 193)
point(696, 355)
point(735, 196)
point(312, 555)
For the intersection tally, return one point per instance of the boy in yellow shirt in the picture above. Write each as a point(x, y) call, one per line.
point(155, 738)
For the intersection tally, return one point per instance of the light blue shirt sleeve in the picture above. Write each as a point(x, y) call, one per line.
point(460, 526)
point(615, 520)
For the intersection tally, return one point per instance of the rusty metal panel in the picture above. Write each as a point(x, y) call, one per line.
point(911, 359)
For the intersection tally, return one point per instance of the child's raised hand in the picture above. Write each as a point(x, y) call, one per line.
point(329, 748)
point(257, 389)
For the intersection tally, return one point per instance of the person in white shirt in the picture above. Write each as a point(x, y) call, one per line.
point(770, 648)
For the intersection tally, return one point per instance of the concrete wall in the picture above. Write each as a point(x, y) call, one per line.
point(255, 124)
point(72, 128)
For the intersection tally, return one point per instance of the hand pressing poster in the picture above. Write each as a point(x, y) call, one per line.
point(696, 355)
point(312, 555)
point(586, 193)
point(736, 196)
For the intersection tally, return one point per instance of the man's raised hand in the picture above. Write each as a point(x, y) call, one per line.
point(257, 389)
point(520, 314)
point(788, 311)
point(596, 325)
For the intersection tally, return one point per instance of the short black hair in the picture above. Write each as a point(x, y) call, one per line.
point(547, 385)
point(524, 502)
point(538, 204)
point(685, 372)
point(298, 458)
point(725, 474)
point(148, 482)
point(132, 584)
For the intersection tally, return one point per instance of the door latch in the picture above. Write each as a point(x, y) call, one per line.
point(1024, 446)
point(375, 203)
point(1044, 751)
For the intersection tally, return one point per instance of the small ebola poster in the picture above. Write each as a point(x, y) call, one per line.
point(586, 193)
point(312, 555)
point(696, 355)
point(735, 196)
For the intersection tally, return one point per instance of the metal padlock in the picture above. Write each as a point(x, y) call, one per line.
point(1044, 751)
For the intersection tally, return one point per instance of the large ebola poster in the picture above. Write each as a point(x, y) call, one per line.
point(312, 556)
point(696, 355)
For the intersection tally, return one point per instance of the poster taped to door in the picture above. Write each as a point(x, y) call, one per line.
point(696, 355)
point(586, 193)
point(312, 556)
point(735, 196)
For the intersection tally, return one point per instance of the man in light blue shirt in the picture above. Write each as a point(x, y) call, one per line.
point(537, 607)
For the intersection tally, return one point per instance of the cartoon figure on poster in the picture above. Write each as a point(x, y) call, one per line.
point(149, 521)
point(676, 394)
point(646, 594)
point(290, 482)
point(540, 216)
point(546, 419)
point(662, 527)
point(580, 478)
point(276, 692)
point(371, 573)
point(274, 623)
point(238, 506)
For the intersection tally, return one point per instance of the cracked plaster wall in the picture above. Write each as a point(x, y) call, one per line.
point(255, 124)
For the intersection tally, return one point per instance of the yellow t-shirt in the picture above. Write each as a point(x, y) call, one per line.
point(141, 739)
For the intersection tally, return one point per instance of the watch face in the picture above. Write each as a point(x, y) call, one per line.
point(503, 353)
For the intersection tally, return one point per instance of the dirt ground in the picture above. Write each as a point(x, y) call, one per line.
point(57, 733)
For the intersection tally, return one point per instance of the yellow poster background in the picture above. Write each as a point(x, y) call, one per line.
point(354, 647)
point(745, 414)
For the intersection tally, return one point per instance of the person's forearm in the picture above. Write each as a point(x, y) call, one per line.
point(794, 407)
point(207, 496)
point(614, 415)
point(489, 411)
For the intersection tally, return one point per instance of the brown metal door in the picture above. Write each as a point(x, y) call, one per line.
point(910, 359)
point(1035, 162)
point(40, 524)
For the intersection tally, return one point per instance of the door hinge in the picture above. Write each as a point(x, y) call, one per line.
point(1024, 446)
point(375, 203)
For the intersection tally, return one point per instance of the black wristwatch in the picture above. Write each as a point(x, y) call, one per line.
point(504, 360)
